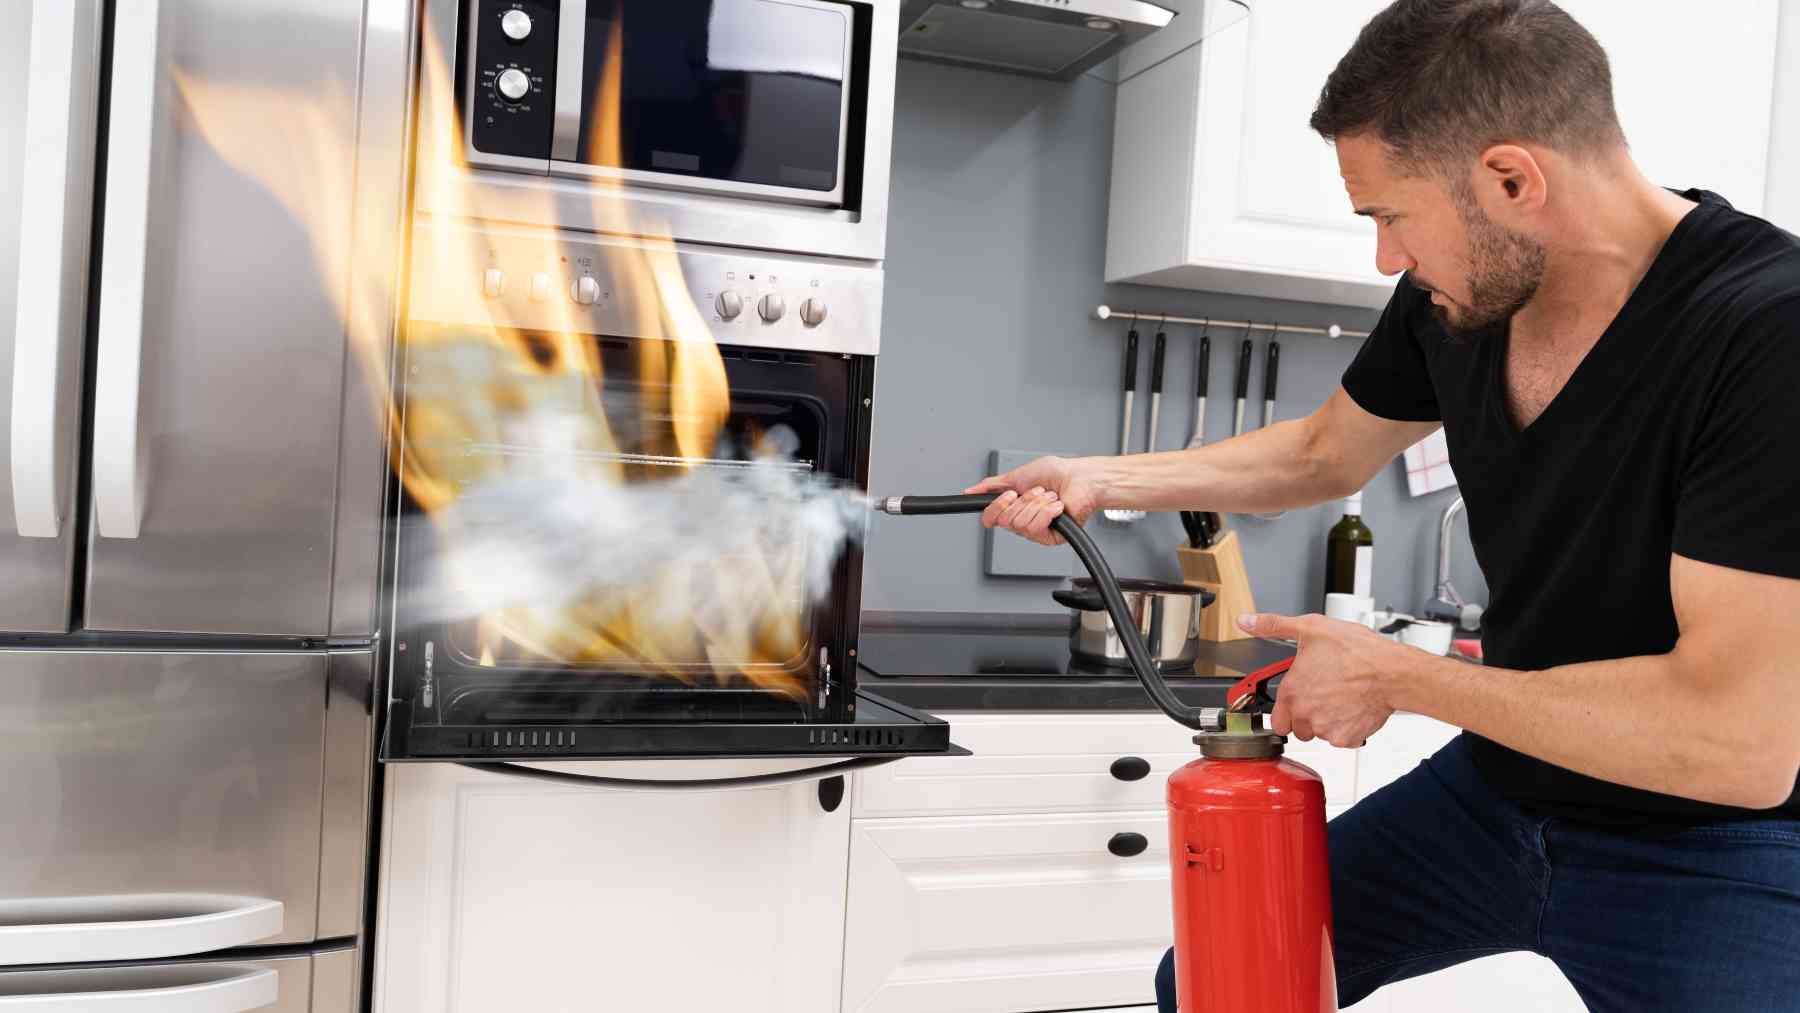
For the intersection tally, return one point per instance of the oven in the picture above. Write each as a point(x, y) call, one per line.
point(482, 407)
point(633, 390)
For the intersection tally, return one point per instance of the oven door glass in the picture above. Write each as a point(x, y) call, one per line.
point(618, 644)
point(739, 96)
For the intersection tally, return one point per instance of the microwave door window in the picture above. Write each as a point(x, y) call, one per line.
point(729, 91)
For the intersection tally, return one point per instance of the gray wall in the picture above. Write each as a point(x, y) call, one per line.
point(996, 252)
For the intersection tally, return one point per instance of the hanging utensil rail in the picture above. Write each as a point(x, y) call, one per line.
point(1105, 312)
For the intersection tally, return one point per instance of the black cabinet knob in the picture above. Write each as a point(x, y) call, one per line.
point(1131, 768)
point(1126, 845)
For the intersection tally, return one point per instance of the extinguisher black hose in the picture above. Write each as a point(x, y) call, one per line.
point(1129, 635)
point(1104, 581)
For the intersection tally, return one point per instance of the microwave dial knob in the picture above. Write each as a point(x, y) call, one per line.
point(771, 307)
point(729, 304)
point(812, 312)
point(586, 290)
point(516, 24)
point(513, 84)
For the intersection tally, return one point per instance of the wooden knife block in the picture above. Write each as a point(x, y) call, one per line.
point(1219, 569)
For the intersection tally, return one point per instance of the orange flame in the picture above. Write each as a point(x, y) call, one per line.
point(488, 384)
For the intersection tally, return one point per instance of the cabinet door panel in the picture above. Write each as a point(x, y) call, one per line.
point(1001, 913)
point(499, 893)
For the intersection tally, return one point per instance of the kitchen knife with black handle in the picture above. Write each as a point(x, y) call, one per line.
point(1243, 387)
point(1195, 527)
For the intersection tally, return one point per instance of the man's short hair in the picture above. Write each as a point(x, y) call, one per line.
point(1442, 80)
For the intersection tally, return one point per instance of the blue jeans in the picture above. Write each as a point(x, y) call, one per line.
point(1436, 869)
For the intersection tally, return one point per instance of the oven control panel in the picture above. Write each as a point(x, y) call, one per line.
point(512, 76)
point(588, 284)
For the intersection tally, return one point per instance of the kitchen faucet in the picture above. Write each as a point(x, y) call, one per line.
point(1448, 604)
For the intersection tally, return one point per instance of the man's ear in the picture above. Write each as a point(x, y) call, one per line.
point(1509, 180)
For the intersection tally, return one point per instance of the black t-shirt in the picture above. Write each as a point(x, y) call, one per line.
point(1678, 433)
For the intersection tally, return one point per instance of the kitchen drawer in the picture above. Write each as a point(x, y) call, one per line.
point(1032, 762)
point(994, 914)
point(306, 983)
point(184, 794)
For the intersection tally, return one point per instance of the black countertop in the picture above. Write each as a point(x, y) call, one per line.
point(980, 661)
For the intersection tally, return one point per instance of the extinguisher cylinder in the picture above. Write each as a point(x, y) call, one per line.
point(1252, 889)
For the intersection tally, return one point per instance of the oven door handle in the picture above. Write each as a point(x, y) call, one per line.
point(694, 784)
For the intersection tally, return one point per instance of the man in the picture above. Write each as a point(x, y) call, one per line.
point(1617, 370)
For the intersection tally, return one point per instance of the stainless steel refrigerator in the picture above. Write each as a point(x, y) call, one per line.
point(191, 476)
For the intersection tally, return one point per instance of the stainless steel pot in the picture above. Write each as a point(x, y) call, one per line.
point(1166, 614)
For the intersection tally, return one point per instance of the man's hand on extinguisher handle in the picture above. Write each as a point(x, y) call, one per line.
point(1336, 688)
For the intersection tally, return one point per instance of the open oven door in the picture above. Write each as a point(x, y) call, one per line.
point(600, 681)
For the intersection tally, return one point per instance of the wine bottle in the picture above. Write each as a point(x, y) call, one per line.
point(1350, 553)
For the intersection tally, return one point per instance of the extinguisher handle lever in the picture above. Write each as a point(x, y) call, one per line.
point(1251, 693)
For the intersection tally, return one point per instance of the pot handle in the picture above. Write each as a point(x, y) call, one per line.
point(1080, 601)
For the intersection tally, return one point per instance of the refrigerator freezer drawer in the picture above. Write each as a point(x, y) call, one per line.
point(162, 801)
point(317, 982)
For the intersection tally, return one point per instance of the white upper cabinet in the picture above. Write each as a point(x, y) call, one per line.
point(1218, 183)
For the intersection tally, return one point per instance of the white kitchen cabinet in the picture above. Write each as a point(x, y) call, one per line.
point(505, 894)
point(1059, 762)
point(996, 914)
point(1218, 183)
point(983, 884)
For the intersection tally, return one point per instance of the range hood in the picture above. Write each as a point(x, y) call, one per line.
point(1041, 38)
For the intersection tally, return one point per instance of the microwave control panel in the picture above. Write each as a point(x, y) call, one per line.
point(511, 69)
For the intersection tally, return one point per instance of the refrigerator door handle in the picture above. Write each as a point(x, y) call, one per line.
point(58, 177)
point(120, 455)
point(241, 987)
point(69, 930)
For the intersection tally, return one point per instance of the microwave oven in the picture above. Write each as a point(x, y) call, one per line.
point(757, 124)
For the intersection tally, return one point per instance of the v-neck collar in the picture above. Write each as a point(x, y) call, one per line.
point(1609, 344)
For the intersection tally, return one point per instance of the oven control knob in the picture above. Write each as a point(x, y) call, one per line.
point(585, 290)
point(771, 307)
point(513, 84)
point(493, 283)
point(729, 304)
point(516, 24)
point(540, 287)
point(812, 312)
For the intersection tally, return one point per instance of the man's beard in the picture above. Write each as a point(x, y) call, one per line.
point(1505, 270)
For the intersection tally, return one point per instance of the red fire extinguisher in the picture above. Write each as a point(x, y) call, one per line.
point(1251, 884)
point(1246, 827)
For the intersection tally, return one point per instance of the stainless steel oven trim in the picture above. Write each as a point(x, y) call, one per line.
point(687, 216)
point(765, 191)
point(571, 51)
point(852, 327)
point(565, 154)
